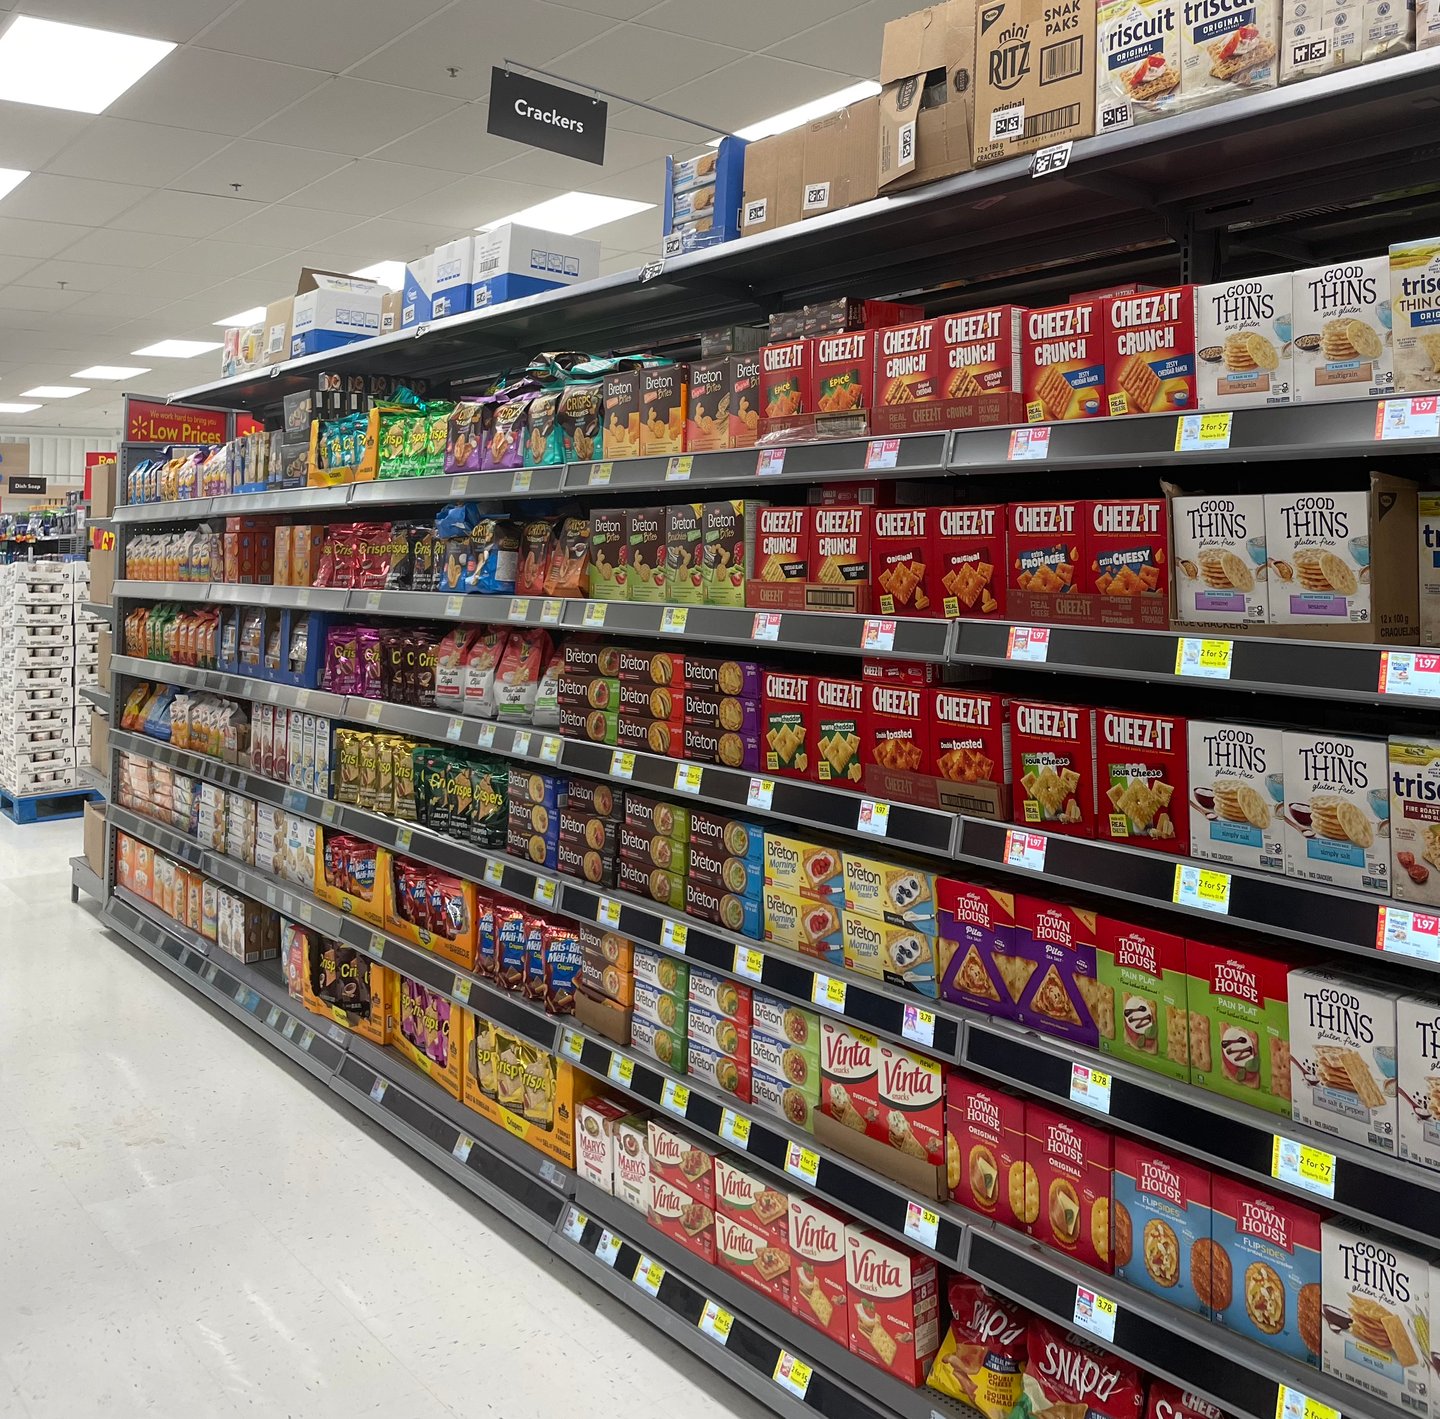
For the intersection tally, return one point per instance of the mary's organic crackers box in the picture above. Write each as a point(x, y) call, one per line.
point(1336, 805)
point(1237, 788)
point(1343, 347)
point(1415, 312)
point(1140, 1009)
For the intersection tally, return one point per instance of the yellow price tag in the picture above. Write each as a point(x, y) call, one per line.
point(674, 619)
point(675, 1097)
point(648, 1275)
point(609, 912)
point(802, 1163)
point(1204, 659)
point(462, 989)
point(594, 614)
point(622, 1070)
point(735, 1129)
point(1293, 1404)
point(1202, 431)
point(716, 1321)
point(749, 962)
point(1203, 888)
point(454, 605)
point(600, 474)
point(544, 891)
point(792, 1373)
point(1303, 1166)
point(622, 763)
point(674, 935)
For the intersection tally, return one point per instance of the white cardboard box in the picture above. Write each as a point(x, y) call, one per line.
point(1237, 788)
point(1319, 550)
point(1242, 343)
point(1417, 1078)
point(1336, 798)
point(1343, 348)
point(1221, 563)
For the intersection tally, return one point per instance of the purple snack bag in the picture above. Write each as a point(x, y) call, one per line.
point(367, 663)
point(342, 661)
point(463, 437)
point(505, 440)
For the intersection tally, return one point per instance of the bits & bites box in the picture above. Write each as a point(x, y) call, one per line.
point(1337, 801)
point(1343, 345)
point(1141, 764)
point(1073, 1161)
point(1052, 766)
point(1237, 789)
point(684, 554)
point(1150, 351)
point(1222, 571)
point(985, 1152)
point(621, 436)
point(1140, 1006)
point(1161, 1216)
point(1243, 332)
point(1064, 363)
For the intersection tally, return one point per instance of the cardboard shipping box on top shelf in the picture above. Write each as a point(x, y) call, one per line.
point(927, 105)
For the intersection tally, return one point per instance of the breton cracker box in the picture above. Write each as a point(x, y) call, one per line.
point(1227, 49)
point(787, 389)
point(972, 747)
point(1264, 1278)
point(839, 716)
point(976, 925)
point(789, 742)
point(1035, 70)
point(1343, 1056)
point(896, 729)
point(1150, 351)
point(754, 1257)
point(1222, 570)
point(1415, 819)
point(1048, 560)
point(817, 1268)
point(969, 559)
point(1417, 1054)
point(1137, 66)
point(1378, 1288)
point(1161, 1214)
point(684, 554)
point(1337, 804)
point(711, 400)
point(1139, 1009)
point(894, 1307)
point(805, 869)
point(1242, 339)
point(1415, 312)
point(985, 1143)
point(645, 552)
point(609, 555)
point(1064, 363)
point(1051, 976)
point(1343, 345)
point(621, 436)
point(1052, 767)
point(1072, 1162)
point(662, 410)
point(1140, 776)
point(729, 550)
point(898, 955)
point(902, 562)
point(1239, 1008)
point(957, 371)
point(1237, 794)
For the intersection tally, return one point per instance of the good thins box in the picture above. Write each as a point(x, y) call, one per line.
point(1337, 801)
point(1222, 572)
point(817, 1268)
point(1140, 774)
point(1417, 1053)
point(1343, 1056)
point(902, 558)
point(1048, 559)
point(1139, 1005)
point(896, 727)
point(1150, 351)
point(894, 1304)
point(1343, 347)
point(1319, 550)
point(986, 1146)
point(1415, 309)
point(976, 925)
point(844, 375)
point(957, 371)
point(839, 559)
point(1051, 976)
point(970, 560)
point(1161, 1215)
point(788, 740)
point(1242, 343)
point(1237, 794)
point(1052, 766)
point(1265, 1280)
point(840, 738)
point(1064, 363)
point(1383, 1288)
point(787, 389)
point(1128, 545)
point(1072, 1163)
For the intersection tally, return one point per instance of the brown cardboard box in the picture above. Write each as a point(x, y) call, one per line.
point(102, 489)
point(774, 182)
point(102, 576)
point(927, 108)
point(928, 1179)
point(279, 321)
point(99, 742)
point(839, 162)
point(390, 306)
point(103, 648)
point(1035, 65)
point(95, 837)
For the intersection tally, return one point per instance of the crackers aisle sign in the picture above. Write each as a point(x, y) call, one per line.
point(543, 115)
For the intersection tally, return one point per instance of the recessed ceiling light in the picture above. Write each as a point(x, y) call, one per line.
point(572, 213)
point(18, 408)
point(10, 179)
point(55, 391)
point(390, 274)
point(253, 316)
point(111, 372)
point(72, 66)
point(177, 349)
point(816, 108)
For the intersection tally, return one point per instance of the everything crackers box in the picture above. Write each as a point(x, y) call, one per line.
point(1337, 798)
point(1064, 363)
point(969, 558)
point(1417, 1082)
point(1137, 67)
point(1222, 572)
point(1140, 773)
point(1052, 766)
point(1161, 1215)
point(1139, 1002)
point(1072, 1162)
point(1343, 1056)
point(1227, 49)
point(1150, 351)
point(1343, 346)
point(986, 1148)
point(1237, 789)
point(1415, 819)
point(1242, 342)
point(1415, 312)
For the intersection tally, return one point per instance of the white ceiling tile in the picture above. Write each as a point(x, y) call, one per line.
point(645, 183)
point(367, 188)
point(266, 172)
point(617, 9)
point(355, 117)
point(30, 136)
point(12, 268)
point(315, 34)
point(852, 47)
point(751, 90)
point(222, 260)
point(178, 20)
point(254, 288)
point(641, 63)
point(44, 197)
point(216, 92)
point(111, 247)
point(632, 119)
point(111, 307)
point(466, 204)
point(38, 298)
point(80, 275)
point(19, 238)
point(289, 226)
point(457, 141)
point(761, 20)
point(151, 154)
point(386, 238)
point(187, 214)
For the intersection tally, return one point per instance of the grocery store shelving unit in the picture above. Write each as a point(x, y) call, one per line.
point(1228, 190)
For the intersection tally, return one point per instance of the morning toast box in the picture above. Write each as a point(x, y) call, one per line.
point(1150, 352)
point(1064, 363)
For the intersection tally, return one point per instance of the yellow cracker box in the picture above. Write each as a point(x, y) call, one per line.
point(889, 891)
point(804, 868)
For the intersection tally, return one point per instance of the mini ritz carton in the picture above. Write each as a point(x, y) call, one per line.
point(1336, 811)
point(1064, 363)
point(1243, 333)
point(1343, 345)
point(1222, 566)
point(1237, 793)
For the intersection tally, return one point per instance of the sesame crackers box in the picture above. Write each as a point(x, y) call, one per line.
point(1337, 808)
point(1237, 794)
point(1343, 345)
point(1243, 335)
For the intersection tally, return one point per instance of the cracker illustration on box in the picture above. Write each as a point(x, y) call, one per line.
point(1337, 811)
point(1343, 345)
point(1415, 307)
point(1243, 352)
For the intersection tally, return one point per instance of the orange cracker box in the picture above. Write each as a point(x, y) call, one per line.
point(663, 394)
point(1052, 767)
point(1150, 351)
point(840, 734)
point(970, 560)
point(817, 1268)
point(1141, 765)
point(840, 547)
point(901, 557)
point(787, 390)
point(1045, 548)
point(1073, 1162)
point(894, 1304)
point(896, 728)
point(789, 742)
point(1064, 359)
point(844, 374)
point(970, 736)
point(1128, 554)
point(985, 1143)
point(956, 371)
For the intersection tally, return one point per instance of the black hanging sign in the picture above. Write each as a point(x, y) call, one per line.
point(545, 116)
point(19, 483)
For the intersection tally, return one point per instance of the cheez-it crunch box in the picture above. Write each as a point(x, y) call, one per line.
point(782, 544)
point(1064, 363)
point(955, 371)
point(970, 560)
point(901, 559)
point(840, 549)
point(1150, 351)
point(1141, 761)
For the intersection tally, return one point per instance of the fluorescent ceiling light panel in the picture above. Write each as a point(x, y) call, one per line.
point(177, 349)
point(390, 274)
point(816, 108)
point(18, 408)
point(10, 179)
point(72, 66)
point(111, 372)
point(253, 316)
point(572, 213)
point(54, 391)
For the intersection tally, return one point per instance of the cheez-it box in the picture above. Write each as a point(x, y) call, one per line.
point(969, 736)
point(786, 383)
point(1046, 551)
point(788, 742)
point(970, 560)
point(901, 560)
point(840, 734)
point(896, 728)
point(782, 544)
point(1141, 764)
point(1128, 544)
point(843, 375)
point(1150, 352)
point(1052, 765)
point(840, 548)
point(1064, 361)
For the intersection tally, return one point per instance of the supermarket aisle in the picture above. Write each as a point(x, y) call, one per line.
point(191, 1229)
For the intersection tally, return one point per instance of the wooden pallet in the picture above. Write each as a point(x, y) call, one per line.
point(46, 807)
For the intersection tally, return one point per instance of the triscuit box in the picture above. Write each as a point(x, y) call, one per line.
point(1220, 558)
point(1237, 789)
point(1417, 1078)
point(1243, 343)
point(1342, 1056)
point(1379, 1291)
point(1137, 67)
point(1337, 804)
point(1227, 48)
point(1415, 312)
point(1428, 523)
point(1343, 347)
point(1415, 819)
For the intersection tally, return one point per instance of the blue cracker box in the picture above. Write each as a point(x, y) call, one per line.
point(335, 315)
point(703, 197)
point(1264, 1274)
point(735, 912)
point(513, 261)
point(1162, 1213)
point(438, 285)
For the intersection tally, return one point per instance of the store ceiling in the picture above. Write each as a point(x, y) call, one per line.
point(351, 144)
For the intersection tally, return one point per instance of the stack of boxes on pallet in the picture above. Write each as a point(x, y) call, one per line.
point(87, 654)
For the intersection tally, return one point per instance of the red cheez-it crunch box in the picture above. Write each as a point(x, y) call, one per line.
point(970, 560)
point(1141, 770)
point(1064, 357)
point(901, 559)
point(1150, 352)
point(956, 371)
point(896, 727)
point(1129, 558)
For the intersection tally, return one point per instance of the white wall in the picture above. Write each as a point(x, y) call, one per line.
point(58, 457)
